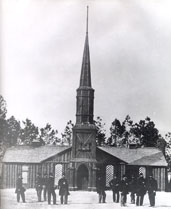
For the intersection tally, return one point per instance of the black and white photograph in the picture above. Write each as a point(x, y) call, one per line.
point(85, 104)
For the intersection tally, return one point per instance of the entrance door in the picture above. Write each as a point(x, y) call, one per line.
point(82, 178)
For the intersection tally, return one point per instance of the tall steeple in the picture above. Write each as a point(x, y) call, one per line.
point(84, 132)
point(85, 79)
point(85, 93)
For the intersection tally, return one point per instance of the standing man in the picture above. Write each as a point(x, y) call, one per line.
point(20, 189)
point(124, 190)
point(44, 183)
point(132, 188)
point(51, 189)
point(141, 190)
point(39, 187)
point(151, 188)
point(114, 185)
point(101, 189)
point(63, 189)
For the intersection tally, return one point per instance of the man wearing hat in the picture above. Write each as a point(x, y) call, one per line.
point(101, 189)
point(20, 189)
point(51, 189)
point(124, 190)
point(44, 183)
point(114, 185)
point(63, 189)
point(132, 188)
point(151, 188)
point(141, 190)
point(39, 187)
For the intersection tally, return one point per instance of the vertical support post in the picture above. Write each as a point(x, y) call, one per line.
point(94, 169)
point(122, 169)
point(72, 177)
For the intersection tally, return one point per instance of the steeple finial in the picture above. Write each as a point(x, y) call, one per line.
point(87, 21)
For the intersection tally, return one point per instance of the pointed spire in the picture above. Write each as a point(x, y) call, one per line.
point(87, 22)
point(85, 79)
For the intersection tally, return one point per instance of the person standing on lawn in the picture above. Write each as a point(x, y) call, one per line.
point(101, 189)
point(141, 190)
point(51, 189)
point(124, 187)
point(63, 189)
point(44, 183)
point(20, 189)
point(39, 187)
point(114, 185)
point(151, 188)
point(132, 188)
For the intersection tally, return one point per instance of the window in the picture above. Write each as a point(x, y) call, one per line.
point(25, 169)
point(58, 173)
point(109, 174)
point(143, 171)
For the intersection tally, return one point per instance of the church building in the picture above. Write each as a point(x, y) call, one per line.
point(84, 161)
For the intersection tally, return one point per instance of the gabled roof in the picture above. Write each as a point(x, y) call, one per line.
point(28, 154)
point(148, 156)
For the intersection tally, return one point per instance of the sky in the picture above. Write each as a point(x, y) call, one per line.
point(130, 47)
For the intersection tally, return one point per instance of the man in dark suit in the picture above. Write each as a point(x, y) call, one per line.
point(39, 187)
point(114, 185)
point(132, 188)
point(124, 187)
point(20, 189)
point(141, 190)
point(44, 183)
point(63, 189)
point(51, 189)
point(101, 189)
point(151, 188)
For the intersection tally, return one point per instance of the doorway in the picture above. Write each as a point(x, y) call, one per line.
point(82, 177)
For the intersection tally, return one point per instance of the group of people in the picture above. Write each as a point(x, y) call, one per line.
point(47, 186)
point(137, 188)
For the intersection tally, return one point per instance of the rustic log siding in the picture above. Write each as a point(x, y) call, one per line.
point(63, 157)
point(9, 175)
point(160, 175)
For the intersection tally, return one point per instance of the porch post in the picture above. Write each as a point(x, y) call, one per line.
point(122, 169)
point(94, 177)
point(72, 177)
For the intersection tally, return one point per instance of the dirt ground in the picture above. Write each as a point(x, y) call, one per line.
point(77, 200)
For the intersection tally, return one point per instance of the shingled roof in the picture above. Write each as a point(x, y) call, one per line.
point(148, 156)
point(28, 154)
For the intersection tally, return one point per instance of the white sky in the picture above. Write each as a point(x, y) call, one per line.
point(130, 49)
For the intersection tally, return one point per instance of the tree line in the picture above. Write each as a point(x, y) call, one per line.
point(122, 134)
point(14, 132)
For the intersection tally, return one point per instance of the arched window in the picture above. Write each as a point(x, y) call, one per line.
point(58, 173)
point(143, 171)
point(109, 174)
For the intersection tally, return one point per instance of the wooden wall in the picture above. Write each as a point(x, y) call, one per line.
point(9, 174)
point(10, 171)
point(160, 174)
